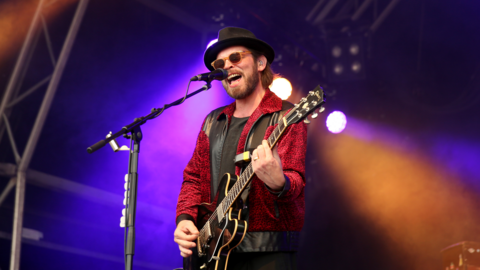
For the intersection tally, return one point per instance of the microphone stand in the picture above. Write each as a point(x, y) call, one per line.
point(136, 136)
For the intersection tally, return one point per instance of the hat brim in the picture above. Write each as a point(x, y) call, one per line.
point(252, 43)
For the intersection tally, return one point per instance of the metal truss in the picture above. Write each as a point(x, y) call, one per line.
point(177, 14)
point(340, 10)
point(11, 98)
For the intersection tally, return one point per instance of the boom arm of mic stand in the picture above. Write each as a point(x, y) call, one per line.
point(140, 121)
point(136, 136)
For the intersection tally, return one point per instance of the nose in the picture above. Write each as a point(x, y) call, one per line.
point(228, 64)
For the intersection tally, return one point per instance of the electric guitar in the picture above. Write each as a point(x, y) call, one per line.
point(222, 229)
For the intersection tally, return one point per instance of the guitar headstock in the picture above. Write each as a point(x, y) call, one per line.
point(307, 106)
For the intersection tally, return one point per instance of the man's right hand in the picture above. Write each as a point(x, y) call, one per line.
point(185, 235)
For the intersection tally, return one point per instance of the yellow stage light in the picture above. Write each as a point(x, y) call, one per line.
point(281, 87)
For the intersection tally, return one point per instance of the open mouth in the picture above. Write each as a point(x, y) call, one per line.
point(233, 79)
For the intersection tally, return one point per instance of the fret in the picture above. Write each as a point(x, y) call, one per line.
point(279, 127)
point(271, 140)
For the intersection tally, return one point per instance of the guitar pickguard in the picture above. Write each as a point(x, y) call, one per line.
point(225, 234)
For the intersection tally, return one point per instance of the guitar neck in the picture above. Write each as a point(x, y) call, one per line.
point(248, 173)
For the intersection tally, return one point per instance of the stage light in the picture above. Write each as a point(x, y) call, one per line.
point(281, 87)
point(338, 69)
point(346, 59)
point(336, 122)
point(212, 42)
point(356, 67)
point(354, 49)
point(336, 51)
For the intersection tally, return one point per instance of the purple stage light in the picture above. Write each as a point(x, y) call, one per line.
point(336, 122)
point(212, 42)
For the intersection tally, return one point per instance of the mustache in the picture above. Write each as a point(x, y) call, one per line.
point(235, 71)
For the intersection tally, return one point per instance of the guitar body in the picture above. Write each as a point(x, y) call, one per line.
point(225, 234)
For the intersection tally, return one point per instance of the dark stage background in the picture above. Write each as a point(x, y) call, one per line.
point(401, 183)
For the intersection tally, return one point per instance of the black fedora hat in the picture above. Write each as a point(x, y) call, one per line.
point(234, 36)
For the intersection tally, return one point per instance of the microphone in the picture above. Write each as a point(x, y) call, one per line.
point(218, 74)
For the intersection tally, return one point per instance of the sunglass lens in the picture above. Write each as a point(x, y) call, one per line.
point(235, 57)
point(219, 63)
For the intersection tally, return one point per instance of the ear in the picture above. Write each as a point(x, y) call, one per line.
point(261, 62)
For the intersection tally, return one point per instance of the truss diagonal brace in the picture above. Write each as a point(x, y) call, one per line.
point(37, 128)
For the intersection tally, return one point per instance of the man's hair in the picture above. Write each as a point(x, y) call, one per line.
point(267, 75)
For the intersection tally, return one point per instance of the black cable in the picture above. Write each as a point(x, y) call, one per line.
point(166, 106)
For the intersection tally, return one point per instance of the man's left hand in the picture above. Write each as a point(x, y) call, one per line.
point(268, 166)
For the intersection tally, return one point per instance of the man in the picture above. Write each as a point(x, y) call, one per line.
point(274, 208)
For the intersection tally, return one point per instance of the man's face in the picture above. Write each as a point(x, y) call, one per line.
point(242, 77)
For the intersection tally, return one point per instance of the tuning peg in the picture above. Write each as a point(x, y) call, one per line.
point(321, 109)
point(314, 115)
point(306, 121)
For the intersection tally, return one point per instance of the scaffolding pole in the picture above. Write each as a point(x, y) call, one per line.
point(39, 122)
point(22, 57)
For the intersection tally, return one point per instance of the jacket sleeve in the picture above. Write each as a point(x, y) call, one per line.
point(292, 148)
point(196, 181)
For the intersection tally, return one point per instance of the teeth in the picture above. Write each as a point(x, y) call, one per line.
point(232, 76)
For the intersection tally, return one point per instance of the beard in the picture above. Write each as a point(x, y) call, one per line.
point(251, 82)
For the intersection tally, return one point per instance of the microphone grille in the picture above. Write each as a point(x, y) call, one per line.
point(224, 73)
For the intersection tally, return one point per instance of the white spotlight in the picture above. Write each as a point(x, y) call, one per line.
point(281, 87)
point(336, 122)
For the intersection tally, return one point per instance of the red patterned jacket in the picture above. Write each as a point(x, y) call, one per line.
point(274, 220)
